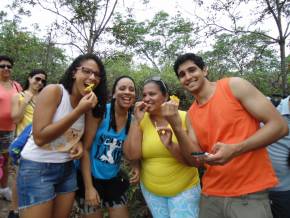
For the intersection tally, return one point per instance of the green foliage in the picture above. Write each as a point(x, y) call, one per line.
point(158, 40)
point(30, 52)
point(81, 21)
point(247, 56)
point(258, 16)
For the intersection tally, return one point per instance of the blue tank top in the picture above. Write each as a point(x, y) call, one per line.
point(107, 149)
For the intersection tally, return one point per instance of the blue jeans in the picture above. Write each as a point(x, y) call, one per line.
point(39, 182)
point(280, 203)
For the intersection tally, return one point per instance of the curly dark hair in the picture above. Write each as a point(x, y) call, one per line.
point(101, 90)
point(112, 122)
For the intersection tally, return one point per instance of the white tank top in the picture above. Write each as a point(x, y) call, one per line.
point(54, 152)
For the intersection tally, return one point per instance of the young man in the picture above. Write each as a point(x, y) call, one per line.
point(280, 156)
point(225, 119)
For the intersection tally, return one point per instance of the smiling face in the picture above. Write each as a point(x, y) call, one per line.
point(191, 76)
point(124, 93)
point(37, 82)
point(86, 74)
point(153, 97)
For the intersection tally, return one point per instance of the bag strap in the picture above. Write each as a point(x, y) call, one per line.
point(16, 85)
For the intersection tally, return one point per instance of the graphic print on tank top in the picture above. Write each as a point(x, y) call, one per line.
point(109, 149)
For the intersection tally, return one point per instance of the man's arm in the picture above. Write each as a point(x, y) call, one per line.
point(260, 108)
point(275, 127)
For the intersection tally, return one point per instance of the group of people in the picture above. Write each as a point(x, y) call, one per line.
point(78, 141)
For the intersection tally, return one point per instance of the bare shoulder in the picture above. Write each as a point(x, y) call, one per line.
point(239, 83)
point(242, 88)
point(50, 91)
point(49, 96)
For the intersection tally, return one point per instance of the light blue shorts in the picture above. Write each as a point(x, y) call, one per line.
point(183, 205)
point(39, 182)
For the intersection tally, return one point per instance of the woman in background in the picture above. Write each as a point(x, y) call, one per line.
point(23, 105)
point(8, 88)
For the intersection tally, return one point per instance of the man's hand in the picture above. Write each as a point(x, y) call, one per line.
point(221, 154)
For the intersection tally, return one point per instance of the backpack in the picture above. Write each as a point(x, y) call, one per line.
point(18, 144)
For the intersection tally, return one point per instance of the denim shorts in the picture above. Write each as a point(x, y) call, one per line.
point(39, 182)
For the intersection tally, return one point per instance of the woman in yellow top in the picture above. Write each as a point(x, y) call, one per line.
point(22, 113)
point(23, 103)
point(169, 185)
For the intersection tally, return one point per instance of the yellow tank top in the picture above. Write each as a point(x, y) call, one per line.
point(161, 173)
point(27, 117)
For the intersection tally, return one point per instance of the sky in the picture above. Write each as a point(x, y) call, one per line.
point(141, 12)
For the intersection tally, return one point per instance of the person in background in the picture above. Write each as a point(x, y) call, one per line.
point(8, 88)
point(169, 185)
point(64, 117)
point(101, 184)
point(225, 118)
point(23, 105)
point(279, 152)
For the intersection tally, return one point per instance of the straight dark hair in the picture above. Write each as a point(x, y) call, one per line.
point(7, 58)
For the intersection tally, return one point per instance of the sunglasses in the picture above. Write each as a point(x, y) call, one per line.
point(157, 79)
point(3, 66)
point(38, 79)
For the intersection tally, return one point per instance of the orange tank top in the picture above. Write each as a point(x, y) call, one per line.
point(223, 119)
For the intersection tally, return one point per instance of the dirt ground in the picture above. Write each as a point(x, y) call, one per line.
point(5, 205)
point(4, 208)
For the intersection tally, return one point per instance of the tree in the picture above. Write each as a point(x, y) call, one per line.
point(30, 52)
point(83, 21)
point(158, 40)
point(260, 13)
point(244, 55)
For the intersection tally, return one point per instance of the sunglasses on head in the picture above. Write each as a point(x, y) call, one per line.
point(3, 66)
point(158, 80)
point(38, 79)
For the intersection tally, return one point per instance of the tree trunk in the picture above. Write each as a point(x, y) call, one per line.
point(283, 67)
